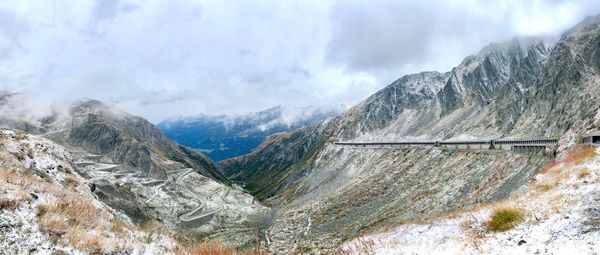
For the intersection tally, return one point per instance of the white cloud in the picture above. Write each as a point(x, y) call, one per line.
point(163, 58)
point(387, 37)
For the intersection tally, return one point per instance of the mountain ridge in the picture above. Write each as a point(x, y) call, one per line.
point(222, 137)
point(138, 171)
point(525, 90)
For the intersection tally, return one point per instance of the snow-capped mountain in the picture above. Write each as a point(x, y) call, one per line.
point(223, 137)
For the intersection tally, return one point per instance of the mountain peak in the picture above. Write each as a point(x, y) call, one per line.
point(93, 106)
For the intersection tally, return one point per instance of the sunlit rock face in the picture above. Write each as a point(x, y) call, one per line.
point(524, 88)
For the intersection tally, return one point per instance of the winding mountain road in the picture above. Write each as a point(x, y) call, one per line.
point(201, 214)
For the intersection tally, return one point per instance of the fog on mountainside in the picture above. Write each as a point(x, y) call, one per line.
point(223, 137)
point(497, 154)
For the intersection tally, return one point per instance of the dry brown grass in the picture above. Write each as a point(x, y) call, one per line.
point(22, 181)
point(10, 204)
point(65, 215)
point(71, 181)
point(216, 248)
point(79, 223)
point(583, 173)
point(475, 233)
point(555, 172)
point(152, 229)
point(578, 154)
point(551, 180)
point(19, 135)
point(545, 185)
point(210, 248)
point(119, 227)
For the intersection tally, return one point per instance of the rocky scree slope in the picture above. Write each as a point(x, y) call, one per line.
point(140, 172)
point(520, 89)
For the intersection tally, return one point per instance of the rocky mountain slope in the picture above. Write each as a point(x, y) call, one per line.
point(223, 137)
point(138, 171)
point(524, 88)
point(559, 216)
point(47, 207)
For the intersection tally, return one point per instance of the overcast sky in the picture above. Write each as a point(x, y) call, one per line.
point(165, 58)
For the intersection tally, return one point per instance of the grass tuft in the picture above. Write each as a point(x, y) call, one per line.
point(210, 248)
point(545, 186)
point(119, 227)
point(18, 135)
point(9, 204)
point(217, 248)
point(70, 181)
point(504, 219)
point(41, 210)
point(583, 173)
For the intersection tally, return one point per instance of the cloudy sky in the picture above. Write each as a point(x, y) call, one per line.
point(164, 58)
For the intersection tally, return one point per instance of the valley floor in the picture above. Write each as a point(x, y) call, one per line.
point(561, 215)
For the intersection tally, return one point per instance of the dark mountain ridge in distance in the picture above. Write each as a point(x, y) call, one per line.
point(222, 137)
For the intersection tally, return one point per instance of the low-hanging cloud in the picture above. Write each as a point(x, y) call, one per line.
point(11, 28)
point(158, 59)
point(435, 34)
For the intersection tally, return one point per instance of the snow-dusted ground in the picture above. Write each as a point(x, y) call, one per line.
point(33, 172)
point(20, 234)
point(562, 217)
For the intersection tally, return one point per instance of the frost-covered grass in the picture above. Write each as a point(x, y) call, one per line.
point(64, 215)
point(81, 224)
point(9, 204)
point(584, 173)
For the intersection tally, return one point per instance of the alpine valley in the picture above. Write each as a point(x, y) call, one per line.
point(96, 179)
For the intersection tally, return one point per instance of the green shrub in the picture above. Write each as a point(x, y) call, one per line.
point(504, 219)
